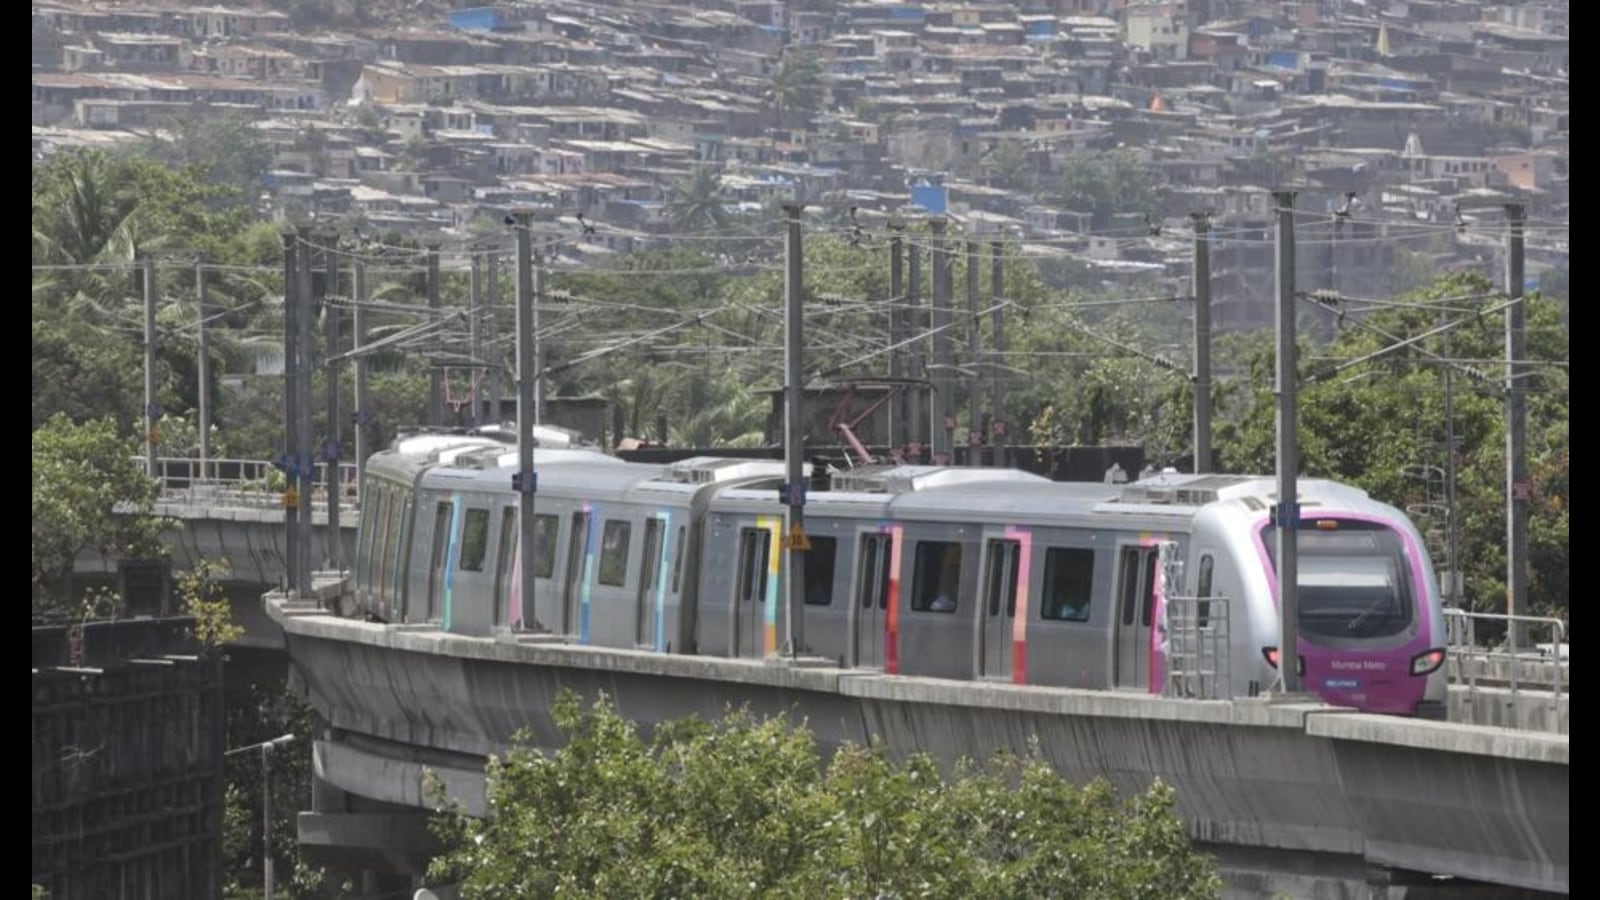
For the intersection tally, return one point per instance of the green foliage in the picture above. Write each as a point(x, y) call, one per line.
point(795, 85)
point(696, 202)
point(1371, 422)
point(82, 371)
point(203, 598)
point(90, 493)
point(258, 712)
point(1108, 184)
point(746, 808)
point(225, 148)
point(1009, 167)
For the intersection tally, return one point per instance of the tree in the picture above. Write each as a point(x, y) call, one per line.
point(748, 808)
point(1007, 166)
point(204, 599)
point(1373, 422)
point(90, 493)
point(225, 146)
point(1108, 184)
point(697, 202)
point(795, 85)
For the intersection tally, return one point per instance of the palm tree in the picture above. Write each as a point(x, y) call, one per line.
point(696, 202)
point(796, 84)
point(84, 217)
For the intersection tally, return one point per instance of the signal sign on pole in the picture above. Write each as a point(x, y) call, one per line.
point(291, 499)
point(796, 539)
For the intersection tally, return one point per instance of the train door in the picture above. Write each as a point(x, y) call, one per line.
point(1136, 584)
point(441, 542)
point(870, 611)
point(649, 570)
point(997, 611)
point(577, 561)
point(751, 590)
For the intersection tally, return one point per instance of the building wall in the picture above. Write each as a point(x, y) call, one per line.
point(125, 750)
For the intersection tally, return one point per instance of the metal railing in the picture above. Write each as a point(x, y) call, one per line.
point(248, 483)
point(1517, 665)
point(1197, 650)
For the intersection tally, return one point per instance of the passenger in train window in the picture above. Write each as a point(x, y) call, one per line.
point(943, 603)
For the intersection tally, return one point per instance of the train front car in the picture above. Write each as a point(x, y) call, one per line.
point(1371, 626)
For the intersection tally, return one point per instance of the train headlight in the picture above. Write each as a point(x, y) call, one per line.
point(1271, 653)
point(1427, 661)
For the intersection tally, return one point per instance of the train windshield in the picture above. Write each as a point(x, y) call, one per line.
point(1354, 579)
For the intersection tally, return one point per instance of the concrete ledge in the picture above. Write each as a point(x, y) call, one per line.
point(1033, 699)
point(426, 638)
point(1446, 737)
point(1525, 710)
point(391, 780)
point(393, 842)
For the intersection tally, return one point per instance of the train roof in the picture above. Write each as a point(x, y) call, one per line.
point(483, 459)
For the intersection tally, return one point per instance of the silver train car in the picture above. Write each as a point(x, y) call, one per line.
point(964, 573)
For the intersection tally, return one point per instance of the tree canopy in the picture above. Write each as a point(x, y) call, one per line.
point(90, 493)
point(1374, 417)
point(749, 808)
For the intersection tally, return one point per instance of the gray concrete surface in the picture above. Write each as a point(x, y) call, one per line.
point(1290, 779)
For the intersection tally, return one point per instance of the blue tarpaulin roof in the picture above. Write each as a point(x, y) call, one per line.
point(932, 198)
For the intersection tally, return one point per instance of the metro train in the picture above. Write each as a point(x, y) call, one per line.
point(964, 573)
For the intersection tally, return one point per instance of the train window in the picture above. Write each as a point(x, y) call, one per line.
point(441, 534)
point(404, 527)
point(1130, 583)
point(755, 544)
point(508, 549)
point(876, 558)
point(474, 540)
point(1354, 581)
point(1002, 582)
point(614, 552)
point(819, 570)
point(677, 560)
point(371, 516)
point(394, 520)
point(544, 545)
point(393, 507)
point(937, 583)
point(1068, 575)
point(1203, 608)
point(577, 558)
point(1148, 597)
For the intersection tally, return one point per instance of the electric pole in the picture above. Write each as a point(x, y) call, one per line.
point(435, 374)
point(897, 333)
point(1202, 342)
point(363, 413)
point(302, 403)
point(1451, 593)
point(997, 418)
point(330, 451)
point(152, 411)
point(943, 417)
point(474, 337)
point(794, 434)
point(1288, 505)
point(526, 482)
point(205, 369)
point(1519, 490)
point(974, 348)
point(917, 408)
point(496, 355)
point(291, 418)
point(538, 344)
